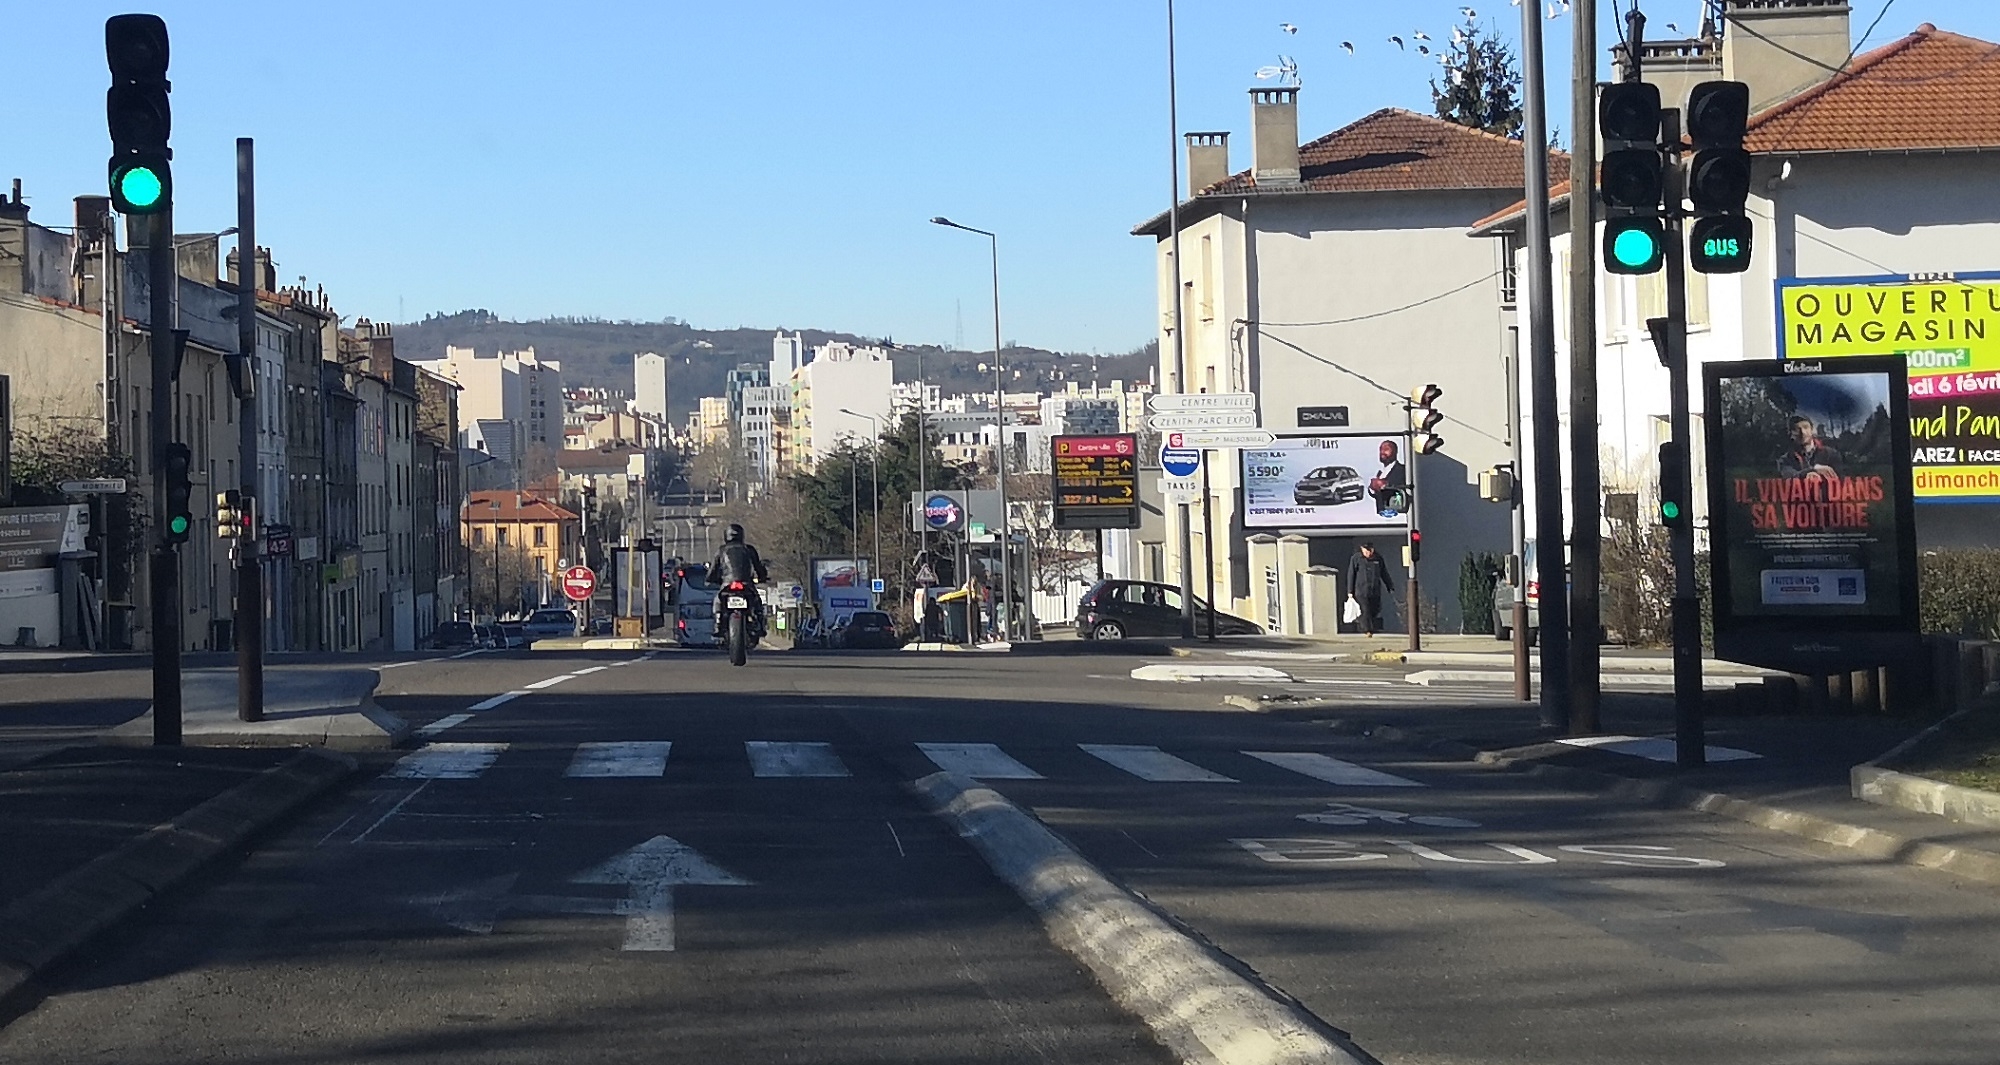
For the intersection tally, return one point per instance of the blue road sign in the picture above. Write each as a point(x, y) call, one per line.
point(878, 586)
point(1180, 461)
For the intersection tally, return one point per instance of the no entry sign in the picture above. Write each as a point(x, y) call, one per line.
point(578, 582)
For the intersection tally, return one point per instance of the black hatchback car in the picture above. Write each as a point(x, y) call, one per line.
point(869, 628)
point(454, 636)
point(1113, 610)
point(1328, 486)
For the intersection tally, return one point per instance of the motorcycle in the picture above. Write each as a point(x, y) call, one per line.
point(738, 628)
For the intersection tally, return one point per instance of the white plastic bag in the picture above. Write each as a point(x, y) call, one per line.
point(1352, 611)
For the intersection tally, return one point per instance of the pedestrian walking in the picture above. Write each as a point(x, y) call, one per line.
point(1367, 583)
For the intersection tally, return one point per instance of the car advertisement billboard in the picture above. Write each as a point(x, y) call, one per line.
point(1324, 482)
point(840, 587)
point(1947, 332)
point(1810, 510)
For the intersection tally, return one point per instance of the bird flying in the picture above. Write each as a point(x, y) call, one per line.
point(1397, 41)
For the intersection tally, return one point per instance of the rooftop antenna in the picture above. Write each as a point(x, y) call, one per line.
point(1286, 71)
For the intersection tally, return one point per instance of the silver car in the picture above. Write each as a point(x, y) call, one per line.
point(548, 622)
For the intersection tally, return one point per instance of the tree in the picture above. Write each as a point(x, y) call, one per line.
point(1480, 87)
point(505, 584)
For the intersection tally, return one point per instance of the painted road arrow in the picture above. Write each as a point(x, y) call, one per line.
point(651, 870)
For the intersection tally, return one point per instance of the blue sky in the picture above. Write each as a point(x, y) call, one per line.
point(729, 164)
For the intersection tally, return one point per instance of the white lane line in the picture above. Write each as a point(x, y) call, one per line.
point(978, 760)
point(447, 761)
point(1332, 770)
point(474, 651)
point(503, 697)
point(1653, 748)
point(774, 758)
point(397, 665)
point(393, 811)
point(441, 724)
point(588, 672)
point(1151, 763)
point(549, 683)
point(635, 758)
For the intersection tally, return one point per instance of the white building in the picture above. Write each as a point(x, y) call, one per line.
point(1336, 274)
point(649, 385)
point(1883, 173)
point(834, 396)
point(763, 408)
point(513, 386)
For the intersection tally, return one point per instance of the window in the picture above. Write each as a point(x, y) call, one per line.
point(1207, 279)
point(1510, 272)
point(541, 536)
point(500, 535)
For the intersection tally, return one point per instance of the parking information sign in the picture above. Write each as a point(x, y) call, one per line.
point(1096, 481)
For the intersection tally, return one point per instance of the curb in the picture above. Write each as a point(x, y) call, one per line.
point(1953, 802)
point(1968, 862)
point(1200, 1007)
point(40, 930)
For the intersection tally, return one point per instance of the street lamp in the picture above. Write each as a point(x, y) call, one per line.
point(495, 504)
point(1000, 424)
point(874, 482)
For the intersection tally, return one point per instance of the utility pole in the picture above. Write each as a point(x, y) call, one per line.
point(1586, 539)
point(1181, 374)
point(161, 281)
point(1549, 556)
point(248, 547)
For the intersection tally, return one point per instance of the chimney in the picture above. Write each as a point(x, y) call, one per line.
point(1274, 136)
point(14, 256)
point(1676, 67)
point(1780, 48)
point(1207, 160)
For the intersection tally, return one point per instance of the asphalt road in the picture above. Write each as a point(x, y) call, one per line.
point(506, 892)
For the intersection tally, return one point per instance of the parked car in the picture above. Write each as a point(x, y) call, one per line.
point(1504, 592)
point(1329, 486)
point(454, 636)
point(550, 621)
point(869, 628)
point(601, 625)
point(512, 635)
point(1113, 610)
point(487, 636)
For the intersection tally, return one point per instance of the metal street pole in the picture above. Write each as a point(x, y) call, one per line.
point(1412, 594)
point(1208, 545)
point(875, 484)
point(1550, 561)
point(1586, 506)
point(247, 546)
point(162, 282)
point(1690, 741)
point(1181, 374)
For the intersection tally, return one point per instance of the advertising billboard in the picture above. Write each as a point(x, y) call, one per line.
point(1948, 333)
point(1324, 482)
point(841, 587)
point(1813, 550)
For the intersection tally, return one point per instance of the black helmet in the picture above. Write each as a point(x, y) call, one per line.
point(734, 535)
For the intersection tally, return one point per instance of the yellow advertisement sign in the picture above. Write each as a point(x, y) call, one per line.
point(1948, 331)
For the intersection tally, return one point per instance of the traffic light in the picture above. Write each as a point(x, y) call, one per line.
point(1719, 178)
point(137, 111)
point(179, 493)
point(1632, 178)
point(1673, 510)
point(1416, 546)
point(1424, 418)
point(227, 505)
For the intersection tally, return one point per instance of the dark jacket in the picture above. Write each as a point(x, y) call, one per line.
point(737, 562)
point(1368, 578)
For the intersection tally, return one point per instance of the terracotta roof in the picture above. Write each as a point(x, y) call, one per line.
point(1392, 150)
point(514, 506)
point(1931, 90)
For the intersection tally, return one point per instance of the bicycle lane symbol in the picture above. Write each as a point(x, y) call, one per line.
point(1341, 813)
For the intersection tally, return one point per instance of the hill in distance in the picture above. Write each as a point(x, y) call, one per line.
point(596, 352)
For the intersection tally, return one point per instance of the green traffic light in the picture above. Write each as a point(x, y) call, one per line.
point(140, 186)
point(1670, 510)
point(178, 524)
point(1634, 248)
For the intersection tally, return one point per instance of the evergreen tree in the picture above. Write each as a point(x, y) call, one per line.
point(1480, 86)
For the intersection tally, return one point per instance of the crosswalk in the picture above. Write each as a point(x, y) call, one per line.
point(768, 759)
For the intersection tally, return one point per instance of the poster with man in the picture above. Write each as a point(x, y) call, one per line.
point(1810, 499)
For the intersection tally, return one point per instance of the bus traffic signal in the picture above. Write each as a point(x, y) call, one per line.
point(1719, 241)
point(138, 113)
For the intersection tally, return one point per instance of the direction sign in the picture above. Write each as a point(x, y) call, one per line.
point(1203, 419)
point(1179, 461)
point(100, 486)
point(1202, 401)
point(1096, 481)
point(1221, 438)
point(578, 582)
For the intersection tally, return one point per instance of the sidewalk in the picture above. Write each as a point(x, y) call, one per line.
point(1800, 782)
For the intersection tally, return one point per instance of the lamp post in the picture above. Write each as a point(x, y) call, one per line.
point(1000, 424)
point(874, 485)
point(495, 504)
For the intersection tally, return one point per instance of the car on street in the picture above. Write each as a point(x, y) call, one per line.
point(454, 636)
point(694, 617)
point(601, 625)
point(511, 635)
point(1116, 609)
point(1328, 486)
point(869, 628)
point(487, 636)
point(548, 622)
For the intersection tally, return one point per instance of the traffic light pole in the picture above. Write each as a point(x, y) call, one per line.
point(161, 280)
point(1690, 743)
point(1586, 537)
point(248, 546)
point(1550, 563)
point(1412, 597)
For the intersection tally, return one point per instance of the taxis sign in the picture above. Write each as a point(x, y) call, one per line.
point(1947, 331)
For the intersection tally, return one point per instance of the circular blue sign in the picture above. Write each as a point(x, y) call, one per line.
point(1180, 461)
point(943, 512)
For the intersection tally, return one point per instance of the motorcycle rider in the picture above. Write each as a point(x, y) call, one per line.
point(739, 561)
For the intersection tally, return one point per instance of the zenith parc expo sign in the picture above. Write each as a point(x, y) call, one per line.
point(1947, 330)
